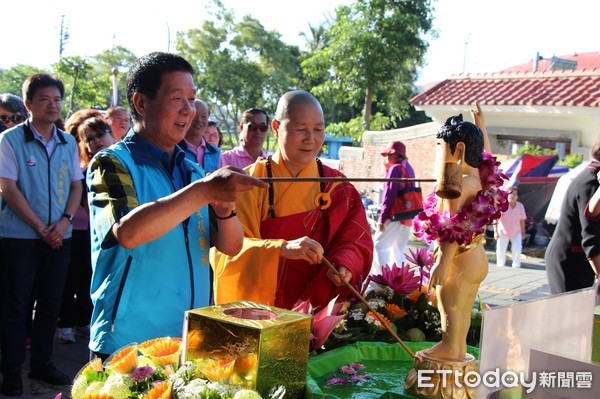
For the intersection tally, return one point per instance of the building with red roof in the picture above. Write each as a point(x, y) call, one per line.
point(554, 103)
point(539, 102)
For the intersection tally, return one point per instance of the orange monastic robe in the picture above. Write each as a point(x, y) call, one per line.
point(259, 274)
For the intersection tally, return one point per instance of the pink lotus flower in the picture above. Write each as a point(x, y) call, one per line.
point(324, 321)
point(303, 307)
point(401, 279)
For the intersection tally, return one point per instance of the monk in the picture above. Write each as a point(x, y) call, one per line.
point(459, 269)
point(290, 227)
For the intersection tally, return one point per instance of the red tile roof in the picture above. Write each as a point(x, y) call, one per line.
point(515, 86)
point(585, 61)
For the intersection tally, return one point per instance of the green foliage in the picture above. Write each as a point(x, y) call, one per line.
point(360, 64)
point(84, 88)
point(240, 65)
point(354, 128)
point(571, 160)
point(534, 150)
point(11, 80)
point(375, 49)
point(106, 62)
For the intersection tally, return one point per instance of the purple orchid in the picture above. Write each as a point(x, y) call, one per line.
point(402, 280)
point(358, 378)
point(335, 380)
point(348, 370)
point(357, 366)
point(471, 220)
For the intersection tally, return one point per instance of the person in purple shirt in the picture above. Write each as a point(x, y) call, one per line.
point(400, 202)
point(253, 132)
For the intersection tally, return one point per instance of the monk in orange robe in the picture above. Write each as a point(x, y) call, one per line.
point(290, 227)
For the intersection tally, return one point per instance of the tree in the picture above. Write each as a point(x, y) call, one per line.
point(83, 87)
point(118, 58)
point(375, 49)
point(239, 65)
point(11, 80)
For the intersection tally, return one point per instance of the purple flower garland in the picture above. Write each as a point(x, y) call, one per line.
point(471, 220)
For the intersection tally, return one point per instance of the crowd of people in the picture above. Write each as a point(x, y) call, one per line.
point(112, 209)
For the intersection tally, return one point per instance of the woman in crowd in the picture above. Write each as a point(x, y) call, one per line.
point(92, 134)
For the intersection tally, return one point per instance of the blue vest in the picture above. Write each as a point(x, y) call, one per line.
point(43, 180)
point(143, 292)
point(212, 153)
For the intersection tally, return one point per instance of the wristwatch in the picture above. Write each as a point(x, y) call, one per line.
point(68, 216)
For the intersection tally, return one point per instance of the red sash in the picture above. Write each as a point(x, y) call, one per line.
point(298, 279)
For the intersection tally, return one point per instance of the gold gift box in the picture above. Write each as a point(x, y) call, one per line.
point(245, 343)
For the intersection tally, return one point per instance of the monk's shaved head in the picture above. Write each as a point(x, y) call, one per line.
point(290, 100)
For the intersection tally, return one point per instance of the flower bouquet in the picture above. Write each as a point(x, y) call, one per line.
point(151, 371)
point(400, 297)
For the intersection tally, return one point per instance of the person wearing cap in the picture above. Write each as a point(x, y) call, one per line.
point(395, 218)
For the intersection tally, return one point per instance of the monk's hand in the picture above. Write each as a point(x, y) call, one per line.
point(344, 273)
point(227, 184)
point(477, 115)
point(438, 275)
point(303, 248)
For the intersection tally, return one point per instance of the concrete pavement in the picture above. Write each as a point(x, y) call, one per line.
point(507, 286)
point(503, 286)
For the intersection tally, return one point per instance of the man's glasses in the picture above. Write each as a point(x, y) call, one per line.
point(15, 118)
point(97, 136)
point(253, 128)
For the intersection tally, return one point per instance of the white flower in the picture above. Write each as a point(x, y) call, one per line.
point(117, 386)
point(377, 303)
point(246, 394)
point(356, 314)
point(373, 320)
point(94, 387)
point(197, 386)
point(79, 388)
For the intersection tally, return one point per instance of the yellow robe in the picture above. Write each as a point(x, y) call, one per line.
point(252, 274)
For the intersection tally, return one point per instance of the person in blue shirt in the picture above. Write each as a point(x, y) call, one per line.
point(40, 181)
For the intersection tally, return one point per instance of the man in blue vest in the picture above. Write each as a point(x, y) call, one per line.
point(149, 213)
point(40, 181)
